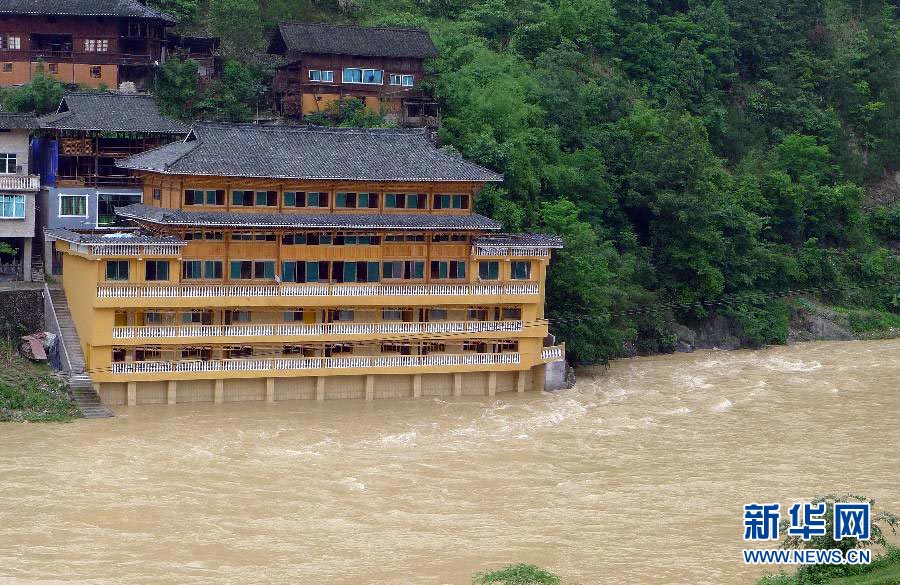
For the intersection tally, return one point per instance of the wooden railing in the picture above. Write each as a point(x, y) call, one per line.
point(315, 363)
point(299, 329)
point(20, 182)
point(135, 291)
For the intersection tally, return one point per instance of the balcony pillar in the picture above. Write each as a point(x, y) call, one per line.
point(320, 388)
point(492, 384)
point(270, 389)
point(132, 393)
point(417, 385)
point(457, 384)
point(26, 259)
point(370, 387)
point(171, 391)
point(219, 392)
point(520, 381)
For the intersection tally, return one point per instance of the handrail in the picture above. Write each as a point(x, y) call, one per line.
point(58, 329)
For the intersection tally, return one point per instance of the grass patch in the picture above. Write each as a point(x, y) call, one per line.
point(871, 323)
point(30, 392)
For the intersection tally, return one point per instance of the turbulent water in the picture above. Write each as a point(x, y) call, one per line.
point(636, 476)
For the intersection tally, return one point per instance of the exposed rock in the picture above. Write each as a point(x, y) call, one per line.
point(716, 333)
point(683, 347)
point(685, 334)
point(629, 349)
point(570, 377)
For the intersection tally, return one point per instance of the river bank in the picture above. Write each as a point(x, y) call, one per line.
point(31, 392)
point(636, 475)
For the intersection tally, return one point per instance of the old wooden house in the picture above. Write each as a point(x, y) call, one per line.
point(383, 67)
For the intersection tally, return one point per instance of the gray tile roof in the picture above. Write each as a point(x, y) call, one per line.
point(111, 111)
point(339, 221)
point(308, 152)
point(10, 121)
point(520, 240)
point(309, 37)
point(111, 238)
point(123, 8)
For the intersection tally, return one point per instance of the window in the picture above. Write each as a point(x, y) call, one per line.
point(96, 45)
point(408, 80)
point(196, 318)
point(437, 314)
point(488, 270)
point(157, 194)
point(392, 314)
point(264, 269)
point(204, 236)
point(443, 269)
point(212, 270)
point(395, 79)
point(191, 269)
point(355, 240)
point(13, 43)
point(244, 198)
point(356, 200)
point(404, 238)
point(403, 269)
point(319, 75)
point(265, 237)
point(342, 315)
point(107, 204)
point(12, 206)
point(356, 271)
point(294, 199)
point(438, 238)
point(73, 205)
point(237, 316)
point(53, 68)
point(318, 239)
point(405, 200)
point(512, 313)
point(7, 162)
point(7, 68)
point(456, 201)
point(520, 270)
point(367, 76)
point(293, 316)
point(266, 198)
point(117, 270)
point(208, 197)
point(241, 270)
point(96, 72)
point(157, 270)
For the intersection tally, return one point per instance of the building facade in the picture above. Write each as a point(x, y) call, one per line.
point(383, 67)
point(280, 263)
point(85, 42)
point(18, 189)
point(76, 150)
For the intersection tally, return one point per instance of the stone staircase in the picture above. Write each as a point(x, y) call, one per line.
point(37, 270)
point(80, 384)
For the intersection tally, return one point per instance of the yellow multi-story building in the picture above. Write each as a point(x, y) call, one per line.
point(277, 263)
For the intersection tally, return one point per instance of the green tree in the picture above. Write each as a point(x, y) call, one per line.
point(176, 89)
point(521, 574)
point(41, 95)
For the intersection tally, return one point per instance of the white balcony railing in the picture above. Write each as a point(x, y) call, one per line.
point(298, 329)
point(312, 363)
point(553, 353)
point(136, 291)
point(140, 250)
point(525, 251)
point(20, 183)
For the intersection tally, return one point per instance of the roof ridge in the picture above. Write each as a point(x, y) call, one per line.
point(357, 26)
point(312, 128)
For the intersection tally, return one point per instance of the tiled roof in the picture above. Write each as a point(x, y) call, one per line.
point(123, 8)
point(9, 121)
point(334, 39)
point(339, 221)
point(111, 111)
point(308, 152)
point(111, 238)
point(520, 240)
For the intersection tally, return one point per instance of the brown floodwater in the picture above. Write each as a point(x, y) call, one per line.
point(638, 476)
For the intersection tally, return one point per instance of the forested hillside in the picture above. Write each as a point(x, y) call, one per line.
point(689, 152)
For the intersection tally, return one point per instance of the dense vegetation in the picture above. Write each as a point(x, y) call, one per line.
point(29, 392)
point(698, 157)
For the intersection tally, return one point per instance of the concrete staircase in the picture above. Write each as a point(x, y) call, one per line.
point(80, 384)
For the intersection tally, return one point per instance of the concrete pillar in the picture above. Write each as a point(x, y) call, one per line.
point(219, 392)
point(521, 378)
point(370, 387)
point(132, 393)
point(171, 391)
point(26, 259)
point(270, 389)
point(492, 384)
point(320, 388)
point(457, 384)
point(537, 377)
point(417, 385)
